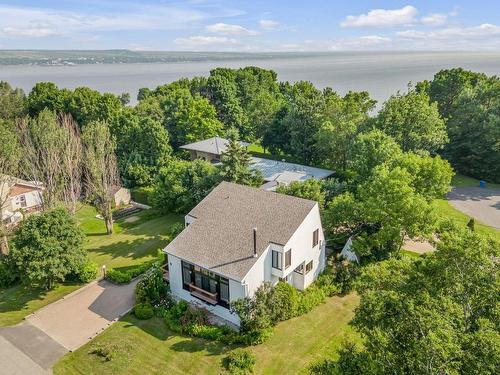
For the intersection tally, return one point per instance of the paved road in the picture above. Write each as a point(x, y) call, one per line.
point(479, 203)
point(36, 344)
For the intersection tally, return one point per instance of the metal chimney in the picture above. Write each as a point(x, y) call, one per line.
point(255, 242)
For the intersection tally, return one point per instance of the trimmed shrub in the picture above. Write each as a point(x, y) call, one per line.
point(144, 311)
point(8, 273)
point(88, 272)
point(118, 277)
point(239, 362)
point(284, 302)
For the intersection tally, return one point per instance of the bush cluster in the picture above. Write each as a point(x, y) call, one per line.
point(151, 288)
point(239, 362)
point(272, 305)
point(144, 310)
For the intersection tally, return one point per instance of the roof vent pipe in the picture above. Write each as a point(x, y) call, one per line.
point(255, 242)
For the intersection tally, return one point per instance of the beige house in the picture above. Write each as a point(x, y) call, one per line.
point(18, 196)
point(121, 196)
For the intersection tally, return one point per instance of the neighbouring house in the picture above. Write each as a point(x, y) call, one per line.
point(121, 196)
point(240, 237)
point(348, 253)
point(209, 149)
point(274, 172)
point(18, 196)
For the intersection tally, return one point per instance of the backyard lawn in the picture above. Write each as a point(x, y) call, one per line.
point(147, 347)
point(465, 181)
point(133, 243)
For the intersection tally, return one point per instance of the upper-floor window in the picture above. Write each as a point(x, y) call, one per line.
point(315, 237)
point(277, 260)
point(288, 258)
point(300, 269)
point(22, 200)
point(309, 267)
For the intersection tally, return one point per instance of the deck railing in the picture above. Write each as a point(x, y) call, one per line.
point(203, 294)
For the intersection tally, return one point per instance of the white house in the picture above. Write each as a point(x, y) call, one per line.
point(239, 237)
point(17, 195)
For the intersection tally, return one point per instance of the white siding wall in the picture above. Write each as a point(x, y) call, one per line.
point(302, 252)
point(33, 199)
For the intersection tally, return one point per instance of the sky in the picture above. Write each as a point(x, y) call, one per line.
point(250, 25)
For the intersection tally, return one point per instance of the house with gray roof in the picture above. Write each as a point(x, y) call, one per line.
point(239, 237)
point(209, 149)
point(274, 172)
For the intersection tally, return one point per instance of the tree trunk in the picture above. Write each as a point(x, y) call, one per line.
point(4, 246)
point(109, 224)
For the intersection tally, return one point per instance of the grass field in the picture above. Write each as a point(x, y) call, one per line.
point(147, 347)
point(133, 243)
point(465, 181)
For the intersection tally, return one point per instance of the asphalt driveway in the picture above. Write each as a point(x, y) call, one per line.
point(36, 344)
point(480, 203)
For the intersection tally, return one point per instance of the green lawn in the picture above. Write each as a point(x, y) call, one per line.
point(445, 209)
point(133, 243)
point(147, 347)
point(18, 301)
point(465, 181)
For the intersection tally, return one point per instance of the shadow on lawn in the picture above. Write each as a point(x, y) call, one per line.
point(131, 249)
point(16, 298)
point(157, 328)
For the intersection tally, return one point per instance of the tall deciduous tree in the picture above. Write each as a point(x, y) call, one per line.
point(12, 102)
point(189, 118)
point(434, 315)
point(385, 210)
point(413, 121)
point(10, 156)
point(48, 247)
point(101, 170)
point(311, 189)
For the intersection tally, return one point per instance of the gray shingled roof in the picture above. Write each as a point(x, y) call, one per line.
point(214, 145)
point(221, 237)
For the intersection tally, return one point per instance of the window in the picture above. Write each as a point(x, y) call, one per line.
point(187, 277)
point(299, 269)
point(224, 290)
point(288, 258)
point(309, 267)
point(277, 260)
point(315, 237)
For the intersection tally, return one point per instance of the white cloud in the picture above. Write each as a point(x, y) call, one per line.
point(382, 18)
point(268, 24)
point(228, 29)
point(34, 31)
point(434, 19)
point(375, 39)
point(200, 41)
point(482, 31)
point(31, 22)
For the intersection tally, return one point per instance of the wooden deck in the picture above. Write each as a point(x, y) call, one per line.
point(208, 297)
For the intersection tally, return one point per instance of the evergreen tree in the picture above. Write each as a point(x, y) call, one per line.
point(236, 163)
